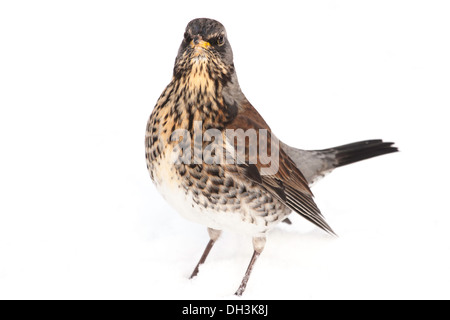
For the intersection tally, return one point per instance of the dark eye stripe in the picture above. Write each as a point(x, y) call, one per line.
point(219, 40)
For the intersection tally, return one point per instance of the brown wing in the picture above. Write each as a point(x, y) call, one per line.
point(287, 183)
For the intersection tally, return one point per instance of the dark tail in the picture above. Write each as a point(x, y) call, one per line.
point(362, 150)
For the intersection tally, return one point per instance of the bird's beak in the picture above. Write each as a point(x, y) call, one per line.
point(198, 43)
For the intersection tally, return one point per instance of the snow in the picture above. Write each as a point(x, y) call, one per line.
point(80, 218)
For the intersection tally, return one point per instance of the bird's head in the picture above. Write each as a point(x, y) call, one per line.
point(205, 42)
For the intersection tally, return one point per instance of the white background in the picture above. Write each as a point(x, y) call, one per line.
point(80, 218)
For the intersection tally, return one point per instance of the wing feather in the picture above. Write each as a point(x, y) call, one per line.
point(287, 184)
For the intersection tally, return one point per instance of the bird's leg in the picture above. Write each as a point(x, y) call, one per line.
point(213, 236)
point(258, 246)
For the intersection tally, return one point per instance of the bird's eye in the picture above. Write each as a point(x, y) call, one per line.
point(187, 38)
point(220, 40)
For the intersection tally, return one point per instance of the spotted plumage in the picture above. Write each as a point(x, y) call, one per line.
point(241, 195)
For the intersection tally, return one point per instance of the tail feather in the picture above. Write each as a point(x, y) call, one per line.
point(362, 150)
point(315, 164)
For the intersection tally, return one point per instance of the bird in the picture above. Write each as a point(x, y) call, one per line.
point(239, 186)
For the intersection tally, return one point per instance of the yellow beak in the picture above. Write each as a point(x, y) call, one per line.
point(200, 44)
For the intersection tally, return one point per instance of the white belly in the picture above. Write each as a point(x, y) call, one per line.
point(168, 184)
